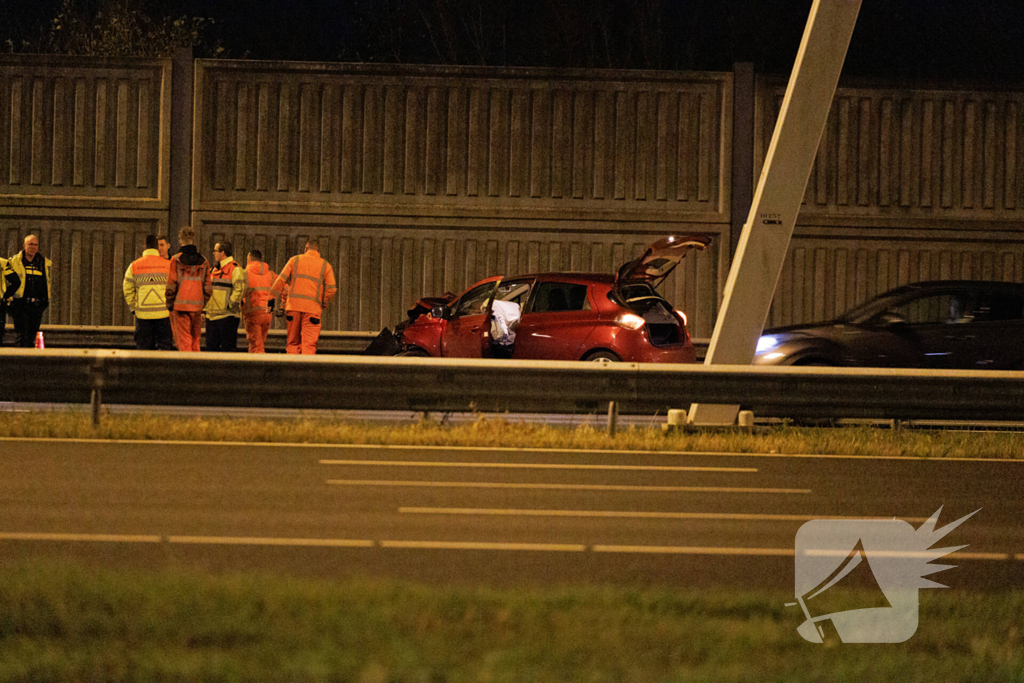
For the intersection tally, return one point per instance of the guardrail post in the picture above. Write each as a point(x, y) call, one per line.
point(97, 375)
point(613, 417)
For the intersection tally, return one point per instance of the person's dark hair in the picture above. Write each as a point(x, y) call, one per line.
point(226, 248)
point(256, 254)
point(151, 241)
point(164, 238)
point(313, 244)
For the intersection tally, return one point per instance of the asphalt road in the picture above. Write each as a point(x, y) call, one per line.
point(506, 517)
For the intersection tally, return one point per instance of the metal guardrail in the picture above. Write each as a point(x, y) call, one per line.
point(115, 337)
point(123, 337)
point(371, 383)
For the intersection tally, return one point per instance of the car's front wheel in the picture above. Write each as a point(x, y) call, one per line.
point(414, 352)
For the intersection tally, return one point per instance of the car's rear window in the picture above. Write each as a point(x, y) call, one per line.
point(552, 297)
point(636, 291)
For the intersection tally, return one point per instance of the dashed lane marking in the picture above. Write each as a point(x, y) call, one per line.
point(470, 545)
point(691, 550)
point(100, 538)
point(536, 466)
point(910, 554)
point(244, 540)
point(561, 487)
point(630, 514)
point(443, 545)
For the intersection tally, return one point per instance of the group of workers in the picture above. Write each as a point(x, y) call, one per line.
point(171, 295)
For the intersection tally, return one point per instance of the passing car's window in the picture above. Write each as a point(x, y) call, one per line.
point(997, 306)
point(474, 302)
point(948, 308)
point(553, 297)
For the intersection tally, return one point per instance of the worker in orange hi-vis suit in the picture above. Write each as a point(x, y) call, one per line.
point(189, 287)
point(258, 303)
point(310, 286)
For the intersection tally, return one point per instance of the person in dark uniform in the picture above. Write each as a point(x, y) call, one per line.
point(32, 296)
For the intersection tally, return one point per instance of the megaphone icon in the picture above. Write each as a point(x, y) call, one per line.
point(829, 597)
point(860, 601)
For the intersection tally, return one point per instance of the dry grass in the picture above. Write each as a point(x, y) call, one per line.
point(503, 433)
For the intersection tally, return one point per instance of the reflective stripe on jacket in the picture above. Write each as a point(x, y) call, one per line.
point(228, 281)
point(17, 264)
point(145, 286)
point(3, 276)
point(257, 291)
point(188, 286)
point(310, 282)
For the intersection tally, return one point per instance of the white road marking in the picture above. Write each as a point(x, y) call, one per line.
point(691, 550)
point(536, 466)
point(244, 540)
point(498, 449)
point(557, 487)
point(470, 545)
point(100, 538)
point(909, 554)
point(630, 514)
point(443, 545)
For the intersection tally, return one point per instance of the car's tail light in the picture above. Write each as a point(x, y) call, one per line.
point(682, 316)
point(630, 321)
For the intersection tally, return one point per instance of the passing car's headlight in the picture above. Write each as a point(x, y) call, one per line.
point(630, 321)
point(766, 344)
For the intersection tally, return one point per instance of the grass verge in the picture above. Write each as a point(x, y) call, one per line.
point(66, 623)
point(499, 432)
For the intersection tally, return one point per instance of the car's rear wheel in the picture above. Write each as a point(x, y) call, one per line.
point(414, 352)
point(598, 356)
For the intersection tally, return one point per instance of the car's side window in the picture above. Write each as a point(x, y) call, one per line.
point(553, 297)
point(997, 306)
point(946, 308)
point(515, 291)
point(474, 302)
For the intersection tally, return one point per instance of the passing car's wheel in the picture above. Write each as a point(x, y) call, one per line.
point(598, 356)
point(414, 352)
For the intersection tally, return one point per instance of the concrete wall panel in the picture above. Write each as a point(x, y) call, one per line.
point(84, 132)
point(389, 140)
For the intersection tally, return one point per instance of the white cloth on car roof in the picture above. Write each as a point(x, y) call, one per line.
point(504, 318)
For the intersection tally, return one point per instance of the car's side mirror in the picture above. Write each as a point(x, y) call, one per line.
point(441, 312)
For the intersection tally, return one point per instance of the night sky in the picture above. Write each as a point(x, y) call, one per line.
point(976, 40)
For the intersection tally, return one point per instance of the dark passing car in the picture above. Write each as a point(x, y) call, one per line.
point(561, 316)
point(942, 325)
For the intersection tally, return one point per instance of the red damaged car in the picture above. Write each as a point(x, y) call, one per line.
point(560, 316)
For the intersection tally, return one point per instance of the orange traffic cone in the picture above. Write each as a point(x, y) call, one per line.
point(40, 344)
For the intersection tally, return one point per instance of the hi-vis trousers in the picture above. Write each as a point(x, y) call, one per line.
point(303, 332)
point(187, 327)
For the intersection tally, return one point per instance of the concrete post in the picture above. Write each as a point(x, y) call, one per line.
point(766, 234)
